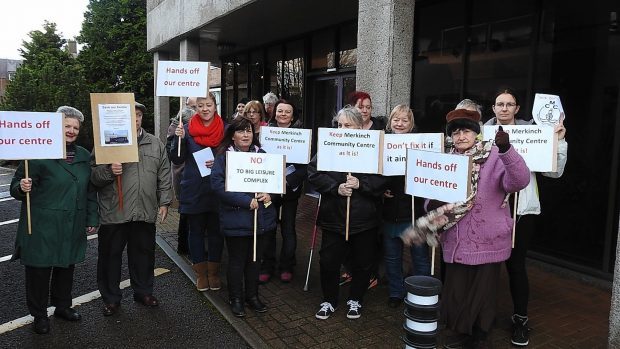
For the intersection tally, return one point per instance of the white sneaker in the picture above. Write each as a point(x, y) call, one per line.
point(354, 310)
point(325, 312)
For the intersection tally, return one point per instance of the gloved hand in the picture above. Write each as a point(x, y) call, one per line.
point(502, 141)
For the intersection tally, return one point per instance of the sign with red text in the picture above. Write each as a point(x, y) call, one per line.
point(182, 78)
point(294, 143)
point(395, 149)
point(30, 135)
point(535, 143)
point(255, 172)
point(349, 150)
point(439, 176)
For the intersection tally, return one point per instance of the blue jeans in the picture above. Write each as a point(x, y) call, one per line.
point(198, 224)
point(393, 254)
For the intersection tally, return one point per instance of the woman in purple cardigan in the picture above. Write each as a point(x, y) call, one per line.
point(475, 234)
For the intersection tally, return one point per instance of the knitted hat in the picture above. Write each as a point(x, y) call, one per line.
point(141, 107)
point(462, 118)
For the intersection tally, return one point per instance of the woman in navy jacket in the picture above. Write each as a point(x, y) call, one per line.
point(237, 220)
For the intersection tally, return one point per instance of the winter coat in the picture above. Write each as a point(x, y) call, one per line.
point(146, 185)
point(484, 234)
point(61, 207)
point(529, 200)
point(236, 218)
point(196, 195)
point(365, 208)
point(398, 208)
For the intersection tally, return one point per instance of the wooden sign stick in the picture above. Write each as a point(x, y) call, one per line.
point(255, 219)
point(119, 188)
point(514, 220)
point(180, 124)
point(346, 224)
point(28, 200)
point(433, 260)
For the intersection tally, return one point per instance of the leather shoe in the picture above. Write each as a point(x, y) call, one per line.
point(256, 304)
point(394, 302)
point(68, 314)
point(41, 325)
point(110, 309)
point(236, 306)
point(149, 300)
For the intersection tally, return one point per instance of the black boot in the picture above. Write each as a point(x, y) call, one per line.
point(236, 306)
point(41, 325)
point(256, 304)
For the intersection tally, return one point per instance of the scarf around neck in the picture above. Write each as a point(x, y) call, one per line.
point(206, 136)
point(427, 227)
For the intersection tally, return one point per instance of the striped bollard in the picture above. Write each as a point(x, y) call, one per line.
point(421, 312)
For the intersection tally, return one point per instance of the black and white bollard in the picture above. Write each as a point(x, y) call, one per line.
point(421, 312)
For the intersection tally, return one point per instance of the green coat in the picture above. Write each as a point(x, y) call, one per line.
point(61, 207)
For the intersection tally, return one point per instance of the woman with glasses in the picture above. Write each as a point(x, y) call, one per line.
point(506, 107)
point(237, 220)
point(256, 114)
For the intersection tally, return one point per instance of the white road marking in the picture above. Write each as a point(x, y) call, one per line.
point(6, 174)
point(6, 258)
point(28, 319)
point(9, 222)
point(6, 199)
point(5, 185)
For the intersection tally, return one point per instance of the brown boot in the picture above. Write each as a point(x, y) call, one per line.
point(202, 282)
point(213, 269)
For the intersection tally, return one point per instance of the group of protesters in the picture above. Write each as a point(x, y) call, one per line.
point(474, 235)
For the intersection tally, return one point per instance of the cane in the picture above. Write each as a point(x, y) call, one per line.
point(313, 243)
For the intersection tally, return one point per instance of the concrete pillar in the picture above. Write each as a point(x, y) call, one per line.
point(161, 105)
point(614, 313)
point(189, 50)
point(385, 52)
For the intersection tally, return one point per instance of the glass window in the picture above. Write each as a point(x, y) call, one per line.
point(241, 65)
point(273, 70)
point(257, 75)
point(294, 74)
point(348, 45)
point(228, 86)
point(323, 48)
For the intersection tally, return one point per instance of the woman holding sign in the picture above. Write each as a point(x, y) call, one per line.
point(365, 192)
point(475, 234)
point(237, 214)
point(63, 210)
point(397, 213)
point(506, 106)
point(285, 117)
point(202, 134)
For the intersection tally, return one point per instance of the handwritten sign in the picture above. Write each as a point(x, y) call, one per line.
point(349, 150)
point(294, 143)
point(30, 135)
point(547, 109)
point(255, 172)
point(536, 144)
point(439, 176)
point(182, 78)
point(395, 149)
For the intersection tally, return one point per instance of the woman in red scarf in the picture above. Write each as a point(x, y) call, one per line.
point(197, 200)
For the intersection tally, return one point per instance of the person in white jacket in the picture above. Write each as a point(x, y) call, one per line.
point(505, 107)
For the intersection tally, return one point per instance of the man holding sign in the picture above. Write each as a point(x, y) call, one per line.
point(506, 107)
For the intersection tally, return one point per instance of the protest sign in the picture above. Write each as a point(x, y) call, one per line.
point(201, 157)
point(30, 135)
point(294, 143)
point(349, 150)
point(255, 172)
point(439, 176)
point(535, 143)
point(547, 109)
point(114, 127)
point(182, 78)
point(395, 149)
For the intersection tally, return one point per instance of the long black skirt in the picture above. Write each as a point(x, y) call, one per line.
point(469, 296)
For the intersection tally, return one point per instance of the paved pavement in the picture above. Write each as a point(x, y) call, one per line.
point(565, 311)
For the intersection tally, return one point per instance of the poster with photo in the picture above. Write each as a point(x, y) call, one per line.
point(115, 125)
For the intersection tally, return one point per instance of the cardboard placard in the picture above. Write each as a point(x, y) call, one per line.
point(294, 143)
point(182, 78)
point(114, 127)
point(349, 150)
point(538, 145)
point(31, 135)
point(439, 176)
point(255, 172)
point(395, 149)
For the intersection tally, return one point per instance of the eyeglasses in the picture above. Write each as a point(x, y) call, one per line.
point(507, 105)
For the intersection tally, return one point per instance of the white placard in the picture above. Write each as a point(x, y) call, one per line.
point(395, 149)
point(201, 157)
point(115, 125)
point(294, 143)
point(182, 78)
point(536, 144)
point(349, 150)
point(547, 109)
point(439, 176)
point(255, 172)
point(30, 135)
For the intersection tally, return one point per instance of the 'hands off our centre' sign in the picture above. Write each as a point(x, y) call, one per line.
point(255, 172)
point(294, 143)
point(182, 78)
point(395, 149)
point(536, 144)
point(349, 150)
point(29, 135)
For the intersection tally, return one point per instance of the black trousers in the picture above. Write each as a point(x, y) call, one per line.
point(515, 265)
point(139, 237)
point(241, 267)
point(362, 247)
point(289, 241)
point(53, 283)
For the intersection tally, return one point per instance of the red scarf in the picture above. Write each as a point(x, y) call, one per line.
point(207, 136)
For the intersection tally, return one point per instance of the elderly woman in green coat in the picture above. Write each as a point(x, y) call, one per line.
point(62, 210)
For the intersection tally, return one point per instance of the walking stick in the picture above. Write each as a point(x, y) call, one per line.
point(255, 219)
point(28, 201)
point(316, 217)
